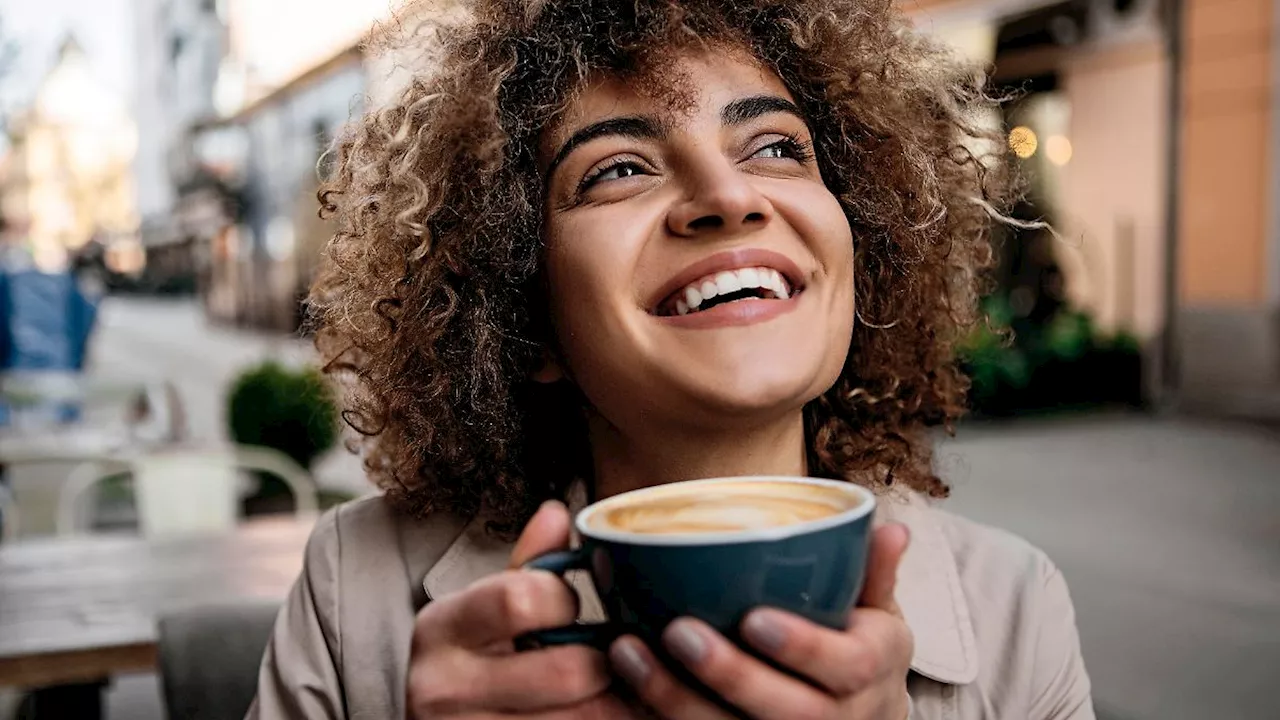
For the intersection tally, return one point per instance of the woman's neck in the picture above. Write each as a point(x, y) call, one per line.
point(632, 461)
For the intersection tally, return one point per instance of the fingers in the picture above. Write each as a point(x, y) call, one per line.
point(730, 673)
point(497, 609)
point(656, 686)
point(876, 645)
point(888, 544)
point(547, 531)
point(501, 607)
point(459, 667)
point(452, 682)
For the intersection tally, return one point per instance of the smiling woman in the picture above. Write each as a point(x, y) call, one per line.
point(604, 245)
point(451, 204)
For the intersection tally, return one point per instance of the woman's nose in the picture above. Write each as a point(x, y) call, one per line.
point(720, 200)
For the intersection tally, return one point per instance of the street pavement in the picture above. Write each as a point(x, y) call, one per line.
point(1168, 533)
point(1167, 529)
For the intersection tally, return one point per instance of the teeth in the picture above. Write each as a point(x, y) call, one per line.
point(777, 284)
point(692, 297)
point(727, 282)
point(723, 283)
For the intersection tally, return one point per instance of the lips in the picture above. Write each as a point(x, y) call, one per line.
point(727, 278)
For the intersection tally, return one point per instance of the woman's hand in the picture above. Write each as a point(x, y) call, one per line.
point(858, 674)
point(463, 662)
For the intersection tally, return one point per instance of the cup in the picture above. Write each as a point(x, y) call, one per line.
point(714, 550)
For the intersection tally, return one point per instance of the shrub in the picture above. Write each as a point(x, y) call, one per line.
point(287, 409)
point(1061, 363)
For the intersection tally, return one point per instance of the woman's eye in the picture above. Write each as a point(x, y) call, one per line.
point(775, 150)
point(618, 171)
point(787, 148)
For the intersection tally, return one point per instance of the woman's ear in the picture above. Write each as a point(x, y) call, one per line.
point(550, 370)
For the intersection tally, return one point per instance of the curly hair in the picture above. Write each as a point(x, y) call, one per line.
point(428, 304)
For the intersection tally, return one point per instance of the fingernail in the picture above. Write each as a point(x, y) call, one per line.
point(685, 642)
point(906, 533)
point(629, 663)
point(764, 631)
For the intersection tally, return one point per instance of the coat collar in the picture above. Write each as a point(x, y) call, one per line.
point(929, 590)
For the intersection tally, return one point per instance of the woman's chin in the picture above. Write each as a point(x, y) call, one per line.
point(752, 397)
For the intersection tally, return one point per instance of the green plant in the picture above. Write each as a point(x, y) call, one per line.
point(996, 366)
point(1065, 361)
point(1123, 342)
point(1069, 335)
point(287, 409)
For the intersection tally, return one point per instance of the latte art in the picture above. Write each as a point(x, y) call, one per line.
point(724, 507)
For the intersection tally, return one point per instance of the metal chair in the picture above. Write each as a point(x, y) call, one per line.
point(209, 659)
point(153, 416)
point(183, 490)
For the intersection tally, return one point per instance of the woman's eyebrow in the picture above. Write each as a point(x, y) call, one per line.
point(639, 127)
point(750, 108)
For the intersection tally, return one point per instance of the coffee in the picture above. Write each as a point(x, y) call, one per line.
point(724, 507)
point(715, 549)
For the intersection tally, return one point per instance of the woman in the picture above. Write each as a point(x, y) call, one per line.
point(600, 245)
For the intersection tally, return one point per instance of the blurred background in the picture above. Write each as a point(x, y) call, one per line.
point(158, 229)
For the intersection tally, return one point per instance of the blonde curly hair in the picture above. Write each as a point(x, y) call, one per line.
point(429, 301)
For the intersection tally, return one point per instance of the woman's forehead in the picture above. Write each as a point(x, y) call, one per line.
point(675, 90)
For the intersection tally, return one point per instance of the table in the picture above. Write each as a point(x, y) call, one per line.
point(114, 415)
point(80, 609)
point(62, 444)
point(30, 388)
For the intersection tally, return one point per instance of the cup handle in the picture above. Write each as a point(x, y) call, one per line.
point(597, 635)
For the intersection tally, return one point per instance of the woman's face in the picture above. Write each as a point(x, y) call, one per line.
point(700, 271)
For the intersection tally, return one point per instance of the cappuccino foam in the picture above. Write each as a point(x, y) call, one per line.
point(723, 507)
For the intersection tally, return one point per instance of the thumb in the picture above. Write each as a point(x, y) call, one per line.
point(888, 544)
point(547, 531)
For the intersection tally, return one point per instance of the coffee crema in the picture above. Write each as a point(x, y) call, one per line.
point(723, 508)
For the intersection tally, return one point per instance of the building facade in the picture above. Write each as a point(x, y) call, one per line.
point(262, 262)
point(179, 55)
point(68, 178)
point(1149, 129)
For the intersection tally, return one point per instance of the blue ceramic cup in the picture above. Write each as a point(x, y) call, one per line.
point(715, 550)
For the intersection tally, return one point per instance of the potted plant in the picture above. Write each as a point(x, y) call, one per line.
point(291, 410)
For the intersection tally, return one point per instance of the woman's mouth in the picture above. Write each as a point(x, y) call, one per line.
point(726, 287)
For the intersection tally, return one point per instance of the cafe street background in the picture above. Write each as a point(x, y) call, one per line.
point(1165, 528)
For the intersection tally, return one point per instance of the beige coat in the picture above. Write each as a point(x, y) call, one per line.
point(995, 634)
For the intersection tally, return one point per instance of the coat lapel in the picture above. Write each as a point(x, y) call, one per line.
point(475, 555)
point(930, 595)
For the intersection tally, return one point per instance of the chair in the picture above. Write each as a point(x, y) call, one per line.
point(183, 490)
point(157, 414)
point(153, 417)
point(153, 409)
point(209, 659)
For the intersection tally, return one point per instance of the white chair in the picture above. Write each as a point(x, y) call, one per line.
point(184, 490)
point(154, 417)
